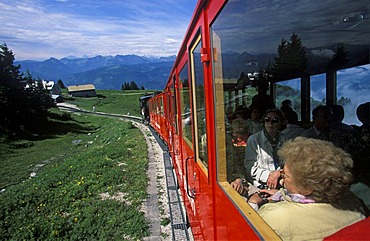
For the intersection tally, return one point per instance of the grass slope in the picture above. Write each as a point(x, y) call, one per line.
point(87, 181)
point(112, 101)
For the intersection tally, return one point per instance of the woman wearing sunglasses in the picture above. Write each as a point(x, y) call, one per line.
point(261, 160)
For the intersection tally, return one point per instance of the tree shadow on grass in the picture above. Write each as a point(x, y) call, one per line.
point(45, 128)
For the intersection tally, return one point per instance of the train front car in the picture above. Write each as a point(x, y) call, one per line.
point(311, 52)
point(144, 107)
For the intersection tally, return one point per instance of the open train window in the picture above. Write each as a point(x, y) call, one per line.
point(289, 90)
point(352, 90)
point(318, 91)
point(307, 52)
point(186, 120)
point(199, 115)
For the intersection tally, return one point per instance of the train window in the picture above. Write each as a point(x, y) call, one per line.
point(167, 111)
point(186, 120)
point(161, 106)
point(313, 53)
point(352, 90)
point(291, 90)
point(318, 91)
point(174, 109)
point(155, 106)
point(199, 102)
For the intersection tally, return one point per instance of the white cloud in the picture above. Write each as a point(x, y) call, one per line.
point(326, 53)
point(39, 30)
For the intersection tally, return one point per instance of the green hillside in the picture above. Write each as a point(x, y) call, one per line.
point(112, 101)
point(85, 179)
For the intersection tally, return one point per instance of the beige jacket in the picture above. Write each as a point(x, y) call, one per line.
point(298, 221)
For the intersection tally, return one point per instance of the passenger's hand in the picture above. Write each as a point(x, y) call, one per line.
point(273, 179)
point(270, 192)
point(255, 198)
point(238, 185)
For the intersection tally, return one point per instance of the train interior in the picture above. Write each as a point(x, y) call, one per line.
point(321, 59)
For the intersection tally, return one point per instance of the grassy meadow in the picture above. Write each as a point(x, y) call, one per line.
point(112, 101)
point(84, 179)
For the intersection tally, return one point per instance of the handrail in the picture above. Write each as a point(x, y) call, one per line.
point(187, 181)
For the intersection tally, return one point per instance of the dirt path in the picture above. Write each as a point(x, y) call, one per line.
point(156, 206)
point(68, 105)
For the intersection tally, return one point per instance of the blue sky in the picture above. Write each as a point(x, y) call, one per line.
point(40, 29)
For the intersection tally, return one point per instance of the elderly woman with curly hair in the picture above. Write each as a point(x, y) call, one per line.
point(315, 201)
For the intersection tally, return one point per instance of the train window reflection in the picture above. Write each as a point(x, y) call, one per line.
point(161, 107)
point(173, 107)
point(199, 103)
point(185, 106)
point(291, 90)
point(352, 90)
point(256, 44)
point(318, 91)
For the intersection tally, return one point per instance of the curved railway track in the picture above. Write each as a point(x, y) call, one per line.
point(179, 227)
point(75, 109)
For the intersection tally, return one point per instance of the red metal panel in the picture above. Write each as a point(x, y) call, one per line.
point(211, 213)
point(357, 231)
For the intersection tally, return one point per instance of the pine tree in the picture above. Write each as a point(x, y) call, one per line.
point(61, 84)
point(24, 103)
point(291, 61)
point(133, 86)
point(130, 86)
point(9, 73)
point(340, 59)
point(125, 86)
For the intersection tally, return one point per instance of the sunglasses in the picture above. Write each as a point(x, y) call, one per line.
point(272, 120)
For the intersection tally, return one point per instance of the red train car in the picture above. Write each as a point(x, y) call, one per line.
point(307, 51)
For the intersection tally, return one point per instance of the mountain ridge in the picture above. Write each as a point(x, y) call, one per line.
point(105, 72)
point(110, 72)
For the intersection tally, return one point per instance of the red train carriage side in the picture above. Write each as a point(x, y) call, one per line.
point(313, 53)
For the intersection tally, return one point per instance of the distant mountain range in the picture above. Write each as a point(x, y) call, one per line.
point(110, 72)
point(105, 72)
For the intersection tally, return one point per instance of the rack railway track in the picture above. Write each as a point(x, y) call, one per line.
point(179, 225)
